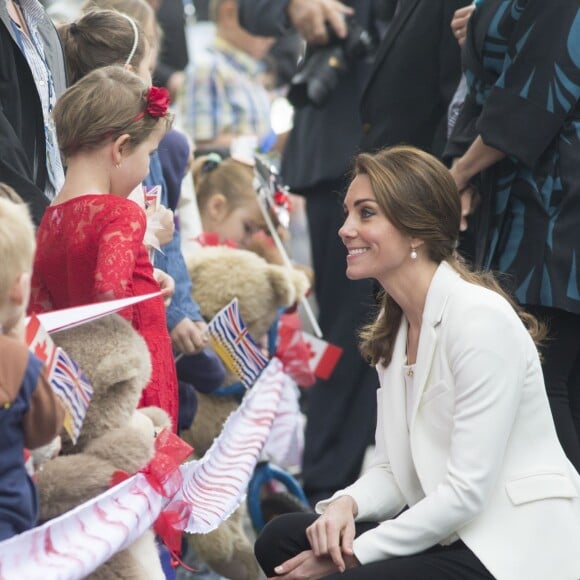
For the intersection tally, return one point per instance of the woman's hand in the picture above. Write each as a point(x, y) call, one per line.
point(459, 22)
point(469, 201)
point(307, 565)
point(333, 532)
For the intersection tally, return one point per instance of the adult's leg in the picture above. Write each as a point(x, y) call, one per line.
point(285, 537)
point(560, 361)
point(455, 562)
point(341, 411)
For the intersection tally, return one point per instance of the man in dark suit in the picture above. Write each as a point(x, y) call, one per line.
point(22, 132)
point(416, 71)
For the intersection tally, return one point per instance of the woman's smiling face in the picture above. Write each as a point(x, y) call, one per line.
point(376, 248)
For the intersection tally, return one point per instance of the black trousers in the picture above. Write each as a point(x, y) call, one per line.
point(285, 537)
point(341, 411)
point(561, 367)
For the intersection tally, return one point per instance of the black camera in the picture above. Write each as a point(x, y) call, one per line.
point(322, 66)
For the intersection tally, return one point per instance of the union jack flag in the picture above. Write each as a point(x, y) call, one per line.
point(74, 390)
point(233, 343)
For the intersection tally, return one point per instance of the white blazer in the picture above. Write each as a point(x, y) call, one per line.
point(480, 459)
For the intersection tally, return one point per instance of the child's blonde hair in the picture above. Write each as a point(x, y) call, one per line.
point(17, 241)
point(233, 179)
point(105, 104)
point(101, 38)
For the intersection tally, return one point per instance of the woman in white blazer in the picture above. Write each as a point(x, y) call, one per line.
point(468, 479)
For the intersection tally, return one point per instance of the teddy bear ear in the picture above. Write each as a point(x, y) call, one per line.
point(289, 285)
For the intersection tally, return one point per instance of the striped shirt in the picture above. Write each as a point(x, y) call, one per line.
point(226, 95)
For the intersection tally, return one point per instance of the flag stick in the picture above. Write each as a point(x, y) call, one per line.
point(304, 301)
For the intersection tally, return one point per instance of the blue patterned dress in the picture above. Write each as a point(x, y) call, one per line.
point(522, 64)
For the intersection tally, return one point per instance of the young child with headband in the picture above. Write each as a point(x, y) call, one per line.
point(102, 38)
point(90, 241)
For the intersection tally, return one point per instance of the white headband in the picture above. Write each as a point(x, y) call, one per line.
point(135, 39)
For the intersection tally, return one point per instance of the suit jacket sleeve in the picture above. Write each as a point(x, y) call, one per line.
point(15, 170)
point(264, 17)
point(488, 372)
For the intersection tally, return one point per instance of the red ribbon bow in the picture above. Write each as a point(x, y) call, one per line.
point(163, 474)
point(158, 101)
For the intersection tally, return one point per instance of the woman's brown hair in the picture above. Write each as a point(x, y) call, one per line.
point(418, 196)
point(102, 106)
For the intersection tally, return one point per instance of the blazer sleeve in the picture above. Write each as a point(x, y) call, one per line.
point(15, 170)
point(487, 351)
point(539, 86)
point(376, 493)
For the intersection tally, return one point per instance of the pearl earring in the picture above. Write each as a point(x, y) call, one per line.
point(413, 253)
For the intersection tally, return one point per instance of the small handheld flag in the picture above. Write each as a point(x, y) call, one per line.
point(232, 342)
point(64, 376)
point(74, 390)
point(323, 355)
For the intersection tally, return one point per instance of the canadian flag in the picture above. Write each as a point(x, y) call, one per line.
point(40, 343)
point(323, 355)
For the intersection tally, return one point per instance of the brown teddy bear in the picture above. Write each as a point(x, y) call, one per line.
point(114, 436)
point(220, 274)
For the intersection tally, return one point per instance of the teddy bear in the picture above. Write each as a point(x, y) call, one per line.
point(115, 436)
point(219, 274)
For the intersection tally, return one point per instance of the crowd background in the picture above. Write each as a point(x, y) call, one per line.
point(471, 83)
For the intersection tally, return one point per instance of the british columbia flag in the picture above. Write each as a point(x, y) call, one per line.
point(74, 390)
point(232, 342)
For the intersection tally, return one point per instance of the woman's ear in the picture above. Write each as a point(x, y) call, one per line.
point(417, 242)
point(217, 207)
point(120, 148)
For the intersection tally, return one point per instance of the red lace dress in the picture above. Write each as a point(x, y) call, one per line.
point(89, 249)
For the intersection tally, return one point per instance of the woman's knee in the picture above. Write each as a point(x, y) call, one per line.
point(282, 538)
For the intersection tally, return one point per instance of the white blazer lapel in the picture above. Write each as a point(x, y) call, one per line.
point(445, 276)
point(396, 432)
point(425, 352)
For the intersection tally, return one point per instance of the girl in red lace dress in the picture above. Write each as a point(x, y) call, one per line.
point(90, 240)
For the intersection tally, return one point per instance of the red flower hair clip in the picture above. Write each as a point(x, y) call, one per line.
point(157, 103)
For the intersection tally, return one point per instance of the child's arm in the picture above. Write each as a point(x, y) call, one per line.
point(43, 420)
point(45, 416)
